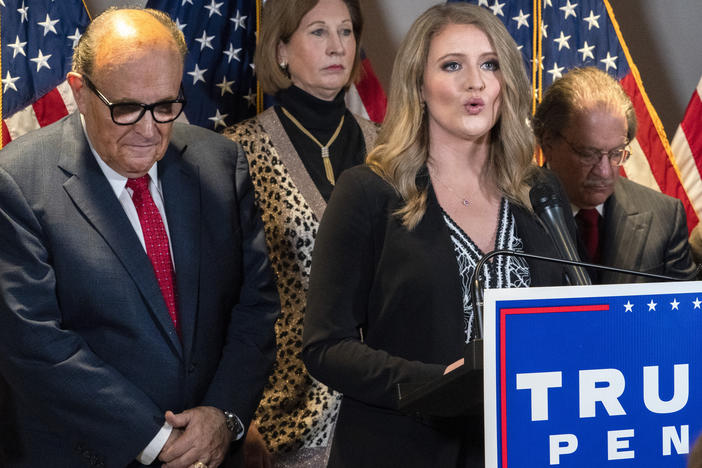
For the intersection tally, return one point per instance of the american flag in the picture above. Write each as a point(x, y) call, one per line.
point(36, 46)
point(556, 35)
point(687, 148)
point(218, 77)
point(38, 37)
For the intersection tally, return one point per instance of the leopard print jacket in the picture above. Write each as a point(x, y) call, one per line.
point(296, 410)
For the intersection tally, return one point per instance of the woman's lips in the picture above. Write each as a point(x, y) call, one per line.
point(474, 106)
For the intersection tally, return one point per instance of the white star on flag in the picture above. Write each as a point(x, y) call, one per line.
point(232, 53)
point(75, 37)
point(9, 82)
point(592, 20)
point(674, 305)
point(251, 98)
point(23, 13)
point(610, 61)
point(497, 8)
point(628, 307)
point(562, 41)
point(225, 86)
point(238, 21)
point(214, 8)
point(17, 47)
point(569, 9)
point(521, 19)
point(180, 26)
point(218, 119)
point(651, 305)
point(205, 41)
point(586, 50)
point(556, 72)
point(697, 303)
point(41, 60)
point(197, 74)
point(48, 25)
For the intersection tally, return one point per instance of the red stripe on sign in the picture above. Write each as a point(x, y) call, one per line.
point(557, 309)
point(503, 356)
point(371, 92)
point(503, 387)
point(6, 138)
point(658, 159)
point(49, 108)
point(692, 127)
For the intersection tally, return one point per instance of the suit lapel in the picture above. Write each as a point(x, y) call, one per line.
point(181, 192)
point(87, 187)
point(296, 168)
point(625, 231)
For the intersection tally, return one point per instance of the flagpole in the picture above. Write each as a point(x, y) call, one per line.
point(259, 93)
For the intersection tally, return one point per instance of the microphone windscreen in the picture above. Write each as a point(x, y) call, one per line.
point(544, 195)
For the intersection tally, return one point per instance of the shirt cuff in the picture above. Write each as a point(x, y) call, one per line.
point(149, 454)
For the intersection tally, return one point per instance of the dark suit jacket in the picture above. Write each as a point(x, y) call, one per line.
point(87, 347)
point(644, 230)
point(403, 289)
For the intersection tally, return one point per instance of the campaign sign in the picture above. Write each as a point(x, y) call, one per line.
point(593, 375)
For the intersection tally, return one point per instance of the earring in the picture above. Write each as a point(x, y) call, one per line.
point(283, 66)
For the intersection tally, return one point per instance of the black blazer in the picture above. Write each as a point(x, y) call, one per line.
point(87, 348)
point(644, 230)
point(385, 307)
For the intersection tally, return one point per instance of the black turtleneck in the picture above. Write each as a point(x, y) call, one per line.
point(321, 118)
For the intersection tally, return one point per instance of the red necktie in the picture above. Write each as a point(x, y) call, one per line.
point(588, 223)
point(156, 241)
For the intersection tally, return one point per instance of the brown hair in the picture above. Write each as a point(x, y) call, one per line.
point(279, 21)
point(403, 143)
point(576, 91)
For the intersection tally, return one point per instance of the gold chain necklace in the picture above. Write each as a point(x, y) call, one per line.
point(325, 148)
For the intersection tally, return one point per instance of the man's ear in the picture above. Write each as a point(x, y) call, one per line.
point(78, 88)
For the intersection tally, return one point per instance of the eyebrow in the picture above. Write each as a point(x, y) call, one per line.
point(462, 55)
point(323, 23)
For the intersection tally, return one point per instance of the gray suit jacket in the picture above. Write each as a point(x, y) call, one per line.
point(644, 230)
point(88, 353)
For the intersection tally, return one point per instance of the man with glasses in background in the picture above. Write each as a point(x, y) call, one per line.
point(136, 300)
point(584, 126)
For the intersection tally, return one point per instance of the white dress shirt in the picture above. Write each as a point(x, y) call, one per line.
point(124, 195)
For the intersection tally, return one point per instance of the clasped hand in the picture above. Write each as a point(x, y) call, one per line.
point(199, 435)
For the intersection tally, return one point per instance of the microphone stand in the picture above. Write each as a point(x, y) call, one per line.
point(476, 292)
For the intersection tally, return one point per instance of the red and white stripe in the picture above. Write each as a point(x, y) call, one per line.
point(652, 163)
point(49, 108)
point(367, 98)
point(687, 148)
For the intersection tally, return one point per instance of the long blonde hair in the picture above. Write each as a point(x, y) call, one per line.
point(403, 143)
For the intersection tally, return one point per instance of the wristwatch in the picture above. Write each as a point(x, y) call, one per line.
point(233, 424)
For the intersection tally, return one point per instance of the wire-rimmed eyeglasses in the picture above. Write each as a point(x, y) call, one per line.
point(129, 113)
point(592, 156)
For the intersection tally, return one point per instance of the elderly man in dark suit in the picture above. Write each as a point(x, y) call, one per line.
point(136, 300)
point(584, 125)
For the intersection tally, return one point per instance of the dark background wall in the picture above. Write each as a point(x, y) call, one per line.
point(662, 36)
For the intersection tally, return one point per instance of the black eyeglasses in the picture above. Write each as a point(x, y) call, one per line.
point(129, 113)
point(592, 156)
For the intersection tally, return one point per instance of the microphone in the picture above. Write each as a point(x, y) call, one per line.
point(548, 206)
point(476, 289)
